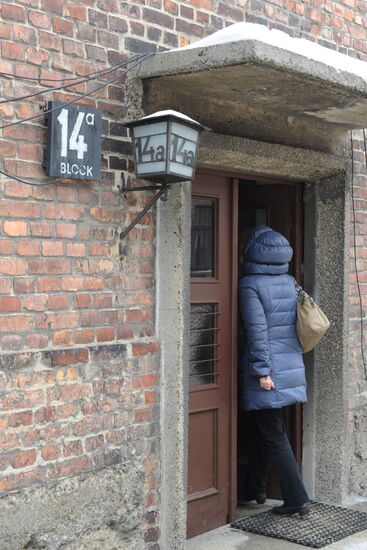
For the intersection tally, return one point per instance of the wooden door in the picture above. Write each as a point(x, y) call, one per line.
point(211, 354)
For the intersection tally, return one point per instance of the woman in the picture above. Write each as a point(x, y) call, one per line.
point(272, 372)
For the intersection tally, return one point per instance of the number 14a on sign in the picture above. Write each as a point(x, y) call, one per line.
point(76, 141)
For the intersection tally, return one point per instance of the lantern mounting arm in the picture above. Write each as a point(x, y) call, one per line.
point(162, 194)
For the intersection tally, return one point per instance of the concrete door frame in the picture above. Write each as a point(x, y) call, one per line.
point(326, 275)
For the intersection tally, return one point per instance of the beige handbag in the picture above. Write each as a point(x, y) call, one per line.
point(312, 322)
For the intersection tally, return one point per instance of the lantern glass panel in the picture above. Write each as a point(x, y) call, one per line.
point(150, 148)
point(183, 146)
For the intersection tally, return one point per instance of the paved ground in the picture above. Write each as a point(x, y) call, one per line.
point(226, 538)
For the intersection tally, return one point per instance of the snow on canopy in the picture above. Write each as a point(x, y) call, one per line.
point(279, 39)
point(170, 112)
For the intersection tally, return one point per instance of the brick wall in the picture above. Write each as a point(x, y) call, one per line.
point(357, 421)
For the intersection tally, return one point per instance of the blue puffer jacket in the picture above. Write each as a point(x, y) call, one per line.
point(268, 307)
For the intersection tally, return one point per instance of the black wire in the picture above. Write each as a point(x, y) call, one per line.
point(60, 180)
point(40, 79)
point(78, 98)
point(63, 87)
point(355, 249)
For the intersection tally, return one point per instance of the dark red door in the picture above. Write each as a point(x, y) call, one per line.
point(210, 361)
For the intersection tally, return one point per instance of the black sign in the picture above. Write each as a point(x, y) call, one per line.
point(74, 142)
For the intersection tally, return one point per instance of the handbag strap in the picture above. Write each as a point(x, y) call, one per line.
point(302, 295)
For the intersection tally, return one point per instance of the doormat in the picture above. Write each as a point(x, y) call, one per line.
point(324, 525)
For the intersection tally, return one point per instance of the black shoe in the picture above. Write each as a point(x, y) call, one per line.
point(289, 510)
point(259, 497)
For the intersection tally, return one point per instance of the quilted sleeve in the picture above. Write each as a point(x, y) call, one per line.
point(256, 329)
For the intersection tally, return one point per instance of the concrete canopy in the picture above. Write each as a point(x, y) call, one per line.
point(253, 88)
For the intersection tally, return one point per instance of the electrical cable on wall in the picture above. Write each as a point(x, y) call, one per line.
point(80, 80)
point(63, 79)
point(83, 96)
point(61, 180)
point(355, 250)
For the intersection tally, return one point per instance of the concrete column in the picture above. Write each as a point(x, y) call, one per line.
point(173, 322)
point(326, 278)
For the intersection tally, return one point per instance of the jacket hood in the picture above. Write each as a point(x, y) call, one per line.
point(267, 252)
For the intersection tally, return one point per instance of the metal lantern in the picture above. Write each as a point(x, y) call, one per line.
point(165, 146)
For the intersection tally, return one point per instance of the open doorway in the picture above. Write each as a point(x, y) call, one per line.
point(279, 205)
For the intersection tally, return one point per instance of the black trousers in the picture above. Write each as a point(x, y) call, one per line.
point(277, 449)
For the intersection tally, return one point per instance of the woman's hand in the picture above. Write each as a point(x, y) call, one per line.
point(266, 383)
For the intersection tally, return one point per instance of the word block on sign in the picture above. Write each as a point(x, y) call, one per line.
point(74, 142)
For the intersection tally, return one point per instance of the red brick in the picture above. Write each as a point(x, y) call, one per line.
point(24, 458)
point(64, 337)
point(69, 357)
point(49, 41)
point(137, 28)
point(145, 381)
point(76, 12)
point(5, 32)
point(23, 168)
point(6, 247)
point(53, 5)
point(16, 209)
point(105, 334)
point(28, 248)
point(93, 283)
point(75, 249)
point(14, 51)
point(73, 448)
point(15, 189)
point(39, 19)
point(37, 56)
point(6, 285)
point(56, 321)
point(35, 303)
point(45, 284)
point(149, 398)
point(124, 331)
point(8, 150)
point(82, 300)
point(25, 132)
point(67, 410)
point(97, 249)
point(12, 341)
point(9, 11)
point(72, 283)
point(64, 211)
point(50, 452)
point(12, 266)
point(24, 285)
point(186, 12)
point(44, 415)
point(52, 248)
point(102, 301)
point(66, 230)
point(170, 6)
point(70, 467)
point(24, 418)
point(72, 47)
point(108, 5)
point(142, 415)
point(41, 229)
point(48, 266)
point(9, 303)
point(144, 349)
point(58, 301)
point(63, 26)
